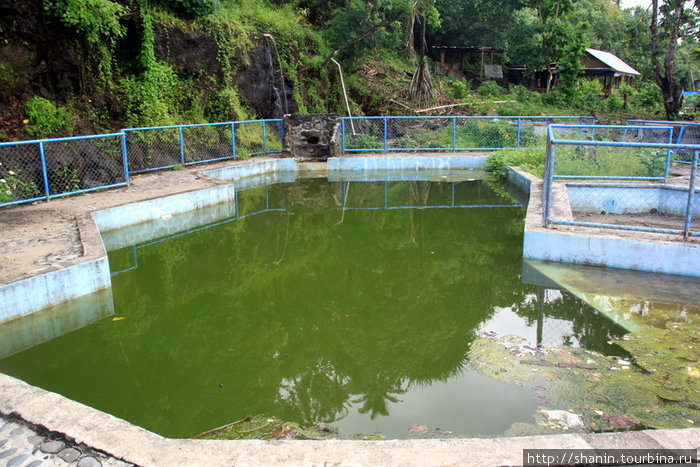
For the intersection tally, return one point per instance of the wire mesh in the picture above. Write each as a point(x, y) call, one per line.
point(363, 134)
point(153, 148)
point(207, 142)
point(419, 133)
point(623, 153)
point(83, 164)
point(683, 133)
point(21, 175)
point(274, 134)
point(250, 139)
point(487, 133)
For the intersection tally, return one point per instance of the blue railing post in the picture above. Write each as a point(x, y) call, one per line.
point(691, 196)
point(668, 154)
point(233, 139)
point(517, 140)
point(182, 147)
point(454, 134)
point(264, 137)
point(342, 133)
point(125, 158)
point(386, 143)
point(44, 171)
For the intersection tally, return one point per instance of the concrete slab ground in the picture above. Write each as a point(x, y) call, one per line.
point(50, 236)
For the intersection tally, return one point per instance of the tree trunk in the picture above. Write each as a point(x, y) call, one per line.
point(666, 82)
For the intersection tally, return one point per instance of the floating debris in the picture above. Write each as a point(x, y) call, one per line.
point(418, 430)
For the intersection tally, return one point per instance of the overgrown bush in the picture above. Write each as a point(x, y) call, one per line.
point(489, 89)
point(45, 119)
point(588, 95)
point(460, 90)
point(530, 160)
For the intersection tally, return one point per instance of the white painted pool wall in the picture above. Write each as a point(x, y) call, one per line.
point(235, 172)
point(37, 292)
point(631, 199)
point(599, 250)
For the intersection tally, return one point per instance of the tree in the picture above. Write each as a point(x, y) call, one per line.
point(672, 20)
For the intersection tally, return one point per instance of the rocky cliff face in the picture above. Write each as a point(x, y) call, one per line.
point(39, 56)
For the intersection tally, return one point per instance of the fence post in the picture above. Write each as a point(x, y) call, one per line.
point(264, 136)
point(44, 171)
point(182, 147)
point(691, 196)
point(517, 139)
point(386, 144)
point(342, 133)
point(125, 157)
point(548, 180)
point(233, 139)
point(668, 154)
point(454, 134)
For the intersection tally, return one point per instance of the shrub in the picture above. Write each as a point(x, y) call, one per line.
point(45, 119)
point(460, 90)
point(531, 160)
point(588, 95)
point(489, 89)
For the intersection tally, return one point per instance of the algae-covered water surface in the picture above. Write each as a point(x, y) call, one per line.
point(351, 304)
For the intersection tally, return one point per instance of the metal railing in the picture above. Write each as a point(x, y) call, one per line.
point(386, 134)
point(683, 133)
point(51, 168)
point(592, 158)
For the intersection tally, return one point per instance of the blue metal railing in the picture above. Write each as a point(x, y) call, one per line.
point(464, 133)
point(51, 168)
point(677, 207)
point(683, 133)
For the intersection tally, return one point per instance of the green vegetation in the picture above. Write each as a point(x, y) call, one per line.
point(157, 62)
point(45, 119)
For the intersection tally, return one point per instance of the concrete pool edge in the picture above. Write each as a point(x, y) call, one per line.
point(130, 443)
point(606, 249)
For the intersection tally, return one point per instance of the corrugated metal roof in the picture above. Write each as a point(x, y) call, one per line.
point(613, 62)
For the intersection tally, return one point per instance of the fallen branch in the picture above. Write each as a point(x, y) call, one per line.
point(402, 105)
point(442, 107)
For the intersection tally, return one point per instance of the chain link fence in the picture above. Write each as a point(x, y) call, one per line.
point(619, 177)
point(383, 134)
point(46, 169)
point(683, 133)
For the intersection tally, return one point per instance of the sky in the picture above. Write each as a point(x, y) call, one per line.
point(634, 3)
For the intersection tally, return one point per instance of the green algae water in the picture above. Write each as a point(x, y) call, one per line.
point(344, 303)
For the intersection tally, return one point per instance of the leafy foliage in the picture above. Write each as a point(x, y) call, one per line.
point(45, 119)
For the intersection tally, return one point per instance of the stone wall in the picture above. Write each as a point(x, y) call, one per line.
point(312, 136)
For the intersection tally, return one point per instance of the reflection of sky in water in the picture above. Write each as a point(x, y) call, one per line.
point(555, 331)
point(473, 398)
